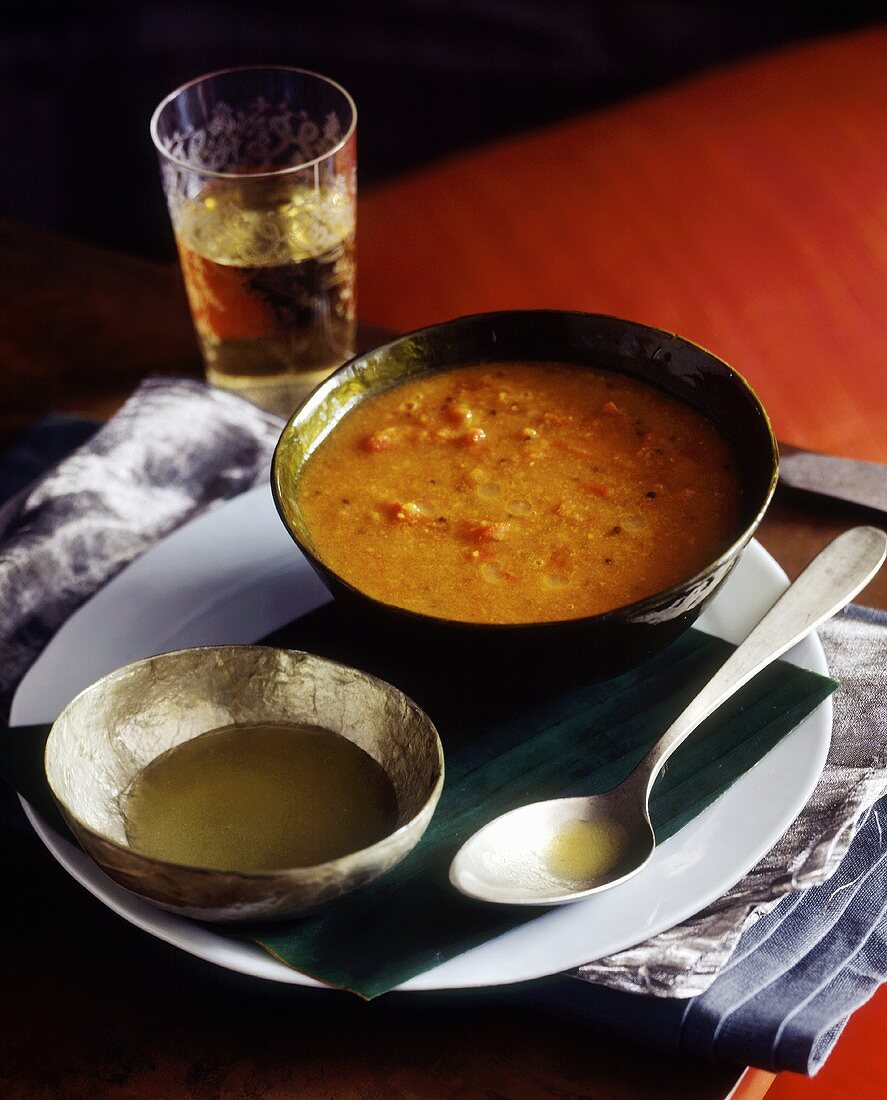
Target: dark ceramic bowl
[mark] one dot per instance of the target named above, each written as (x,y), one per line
(616,639)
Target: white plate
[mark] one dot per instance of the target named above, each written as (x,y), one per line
(233,575)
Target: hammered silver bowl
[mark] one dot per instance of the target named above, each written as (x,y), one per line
(115,728)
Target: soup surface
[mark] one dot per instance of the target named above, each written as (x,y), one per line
(259,798)
(520,492)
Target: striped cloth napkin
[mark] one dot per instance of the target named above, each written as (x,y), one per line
(767,975)
(784,992)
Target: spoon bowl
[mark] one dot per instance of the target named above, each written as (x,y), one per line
(565,849)
(558,851)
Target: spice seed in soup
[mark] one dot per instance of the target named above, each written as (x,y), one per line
(520,492)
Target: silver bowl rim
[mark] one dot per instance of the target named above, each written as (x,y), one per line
(424,812)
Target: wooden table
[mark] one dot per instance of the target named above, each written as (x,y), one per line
(97,1008)
(744,208)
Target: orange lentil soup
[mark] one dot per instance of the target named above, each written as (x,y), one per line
(520,492)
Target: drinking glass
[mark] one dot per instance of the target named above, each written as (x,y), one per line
(259,170)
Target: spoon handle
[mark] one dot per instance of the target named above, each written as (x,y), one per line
(828,583)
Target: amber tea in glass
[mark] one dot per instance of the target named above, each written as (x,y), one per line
(259,171)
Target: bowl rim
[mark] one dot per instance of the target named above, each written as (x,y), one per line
(639,607)
(274,173)
(427,808)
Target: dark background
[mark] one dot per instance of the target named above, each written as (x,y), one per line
(78,81)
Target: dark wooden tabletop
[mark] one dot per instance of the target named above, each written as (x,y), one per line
(96,1008)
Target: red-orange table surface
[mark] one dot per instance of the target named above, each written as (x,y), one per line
(746,209)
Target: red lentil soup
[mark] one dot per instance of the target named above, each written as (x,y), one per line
(519,493)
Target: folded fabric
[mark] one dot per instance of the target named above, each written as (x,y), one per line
(41,446)
(175,448)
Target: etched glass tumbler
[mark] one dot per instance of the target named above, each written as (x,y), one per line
(259,169)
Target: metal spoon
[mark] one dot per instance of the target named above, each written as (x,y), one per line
(510,860)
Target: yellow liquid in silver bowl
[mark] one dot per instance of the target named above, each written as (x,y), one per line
(259,798)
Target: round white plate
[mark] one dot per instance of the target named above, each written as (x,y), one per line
(233,575)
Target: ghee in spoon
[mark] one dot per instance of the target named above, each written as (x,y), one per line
(259,797)
(582,851)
